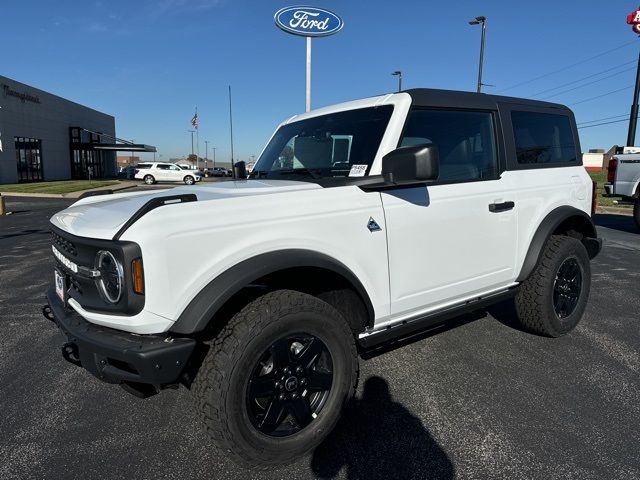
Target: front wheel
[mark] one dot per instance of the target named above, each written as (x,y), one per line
(275,380)
(636,212)
(189,180)
(552,300)
(149,180)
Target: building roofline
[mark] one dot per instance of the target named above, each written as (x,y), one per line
(40,91)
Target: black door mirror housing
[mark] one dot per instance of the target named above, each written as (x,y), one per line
(240,170)
(413,164)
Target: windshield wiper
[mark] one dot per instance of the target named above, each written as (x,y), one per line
(259,173)
(312,173)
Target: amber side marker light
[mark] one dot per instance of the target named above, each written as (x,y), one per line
(137,275)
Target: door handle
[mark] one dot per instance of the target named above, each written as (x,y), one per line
(501,207)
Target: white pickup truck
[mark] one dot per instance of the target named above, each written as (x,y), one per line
(360,223)
(623,179)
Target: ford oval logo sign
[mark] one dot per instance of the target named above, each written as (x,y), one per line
(308,21)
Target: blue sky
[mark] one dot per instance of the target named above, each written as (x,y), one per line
(149,63)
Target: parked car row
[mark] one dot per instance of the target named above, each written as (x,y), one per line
(155,172)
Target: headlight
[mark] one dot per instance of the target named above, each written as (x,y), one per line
(111,280)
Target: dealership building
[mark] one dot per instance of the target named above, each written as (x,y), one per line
(46,137)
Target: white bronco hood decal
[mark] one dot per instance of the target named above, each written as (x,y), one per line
(102,216)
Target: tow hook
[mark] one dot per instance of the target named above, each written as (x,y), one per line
(48,314)
(70,353)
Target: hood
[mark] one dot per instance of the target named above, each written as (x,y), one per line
(102,216)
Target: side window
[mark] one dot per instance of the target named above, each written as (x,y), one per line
(465,141)
(543,138)
(163,167)
(143,166)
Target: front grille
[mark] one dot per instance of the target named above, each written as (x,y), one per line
(64,244)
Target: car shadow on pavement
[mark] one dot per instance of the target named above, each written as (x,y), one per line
(624,223)
(378,438)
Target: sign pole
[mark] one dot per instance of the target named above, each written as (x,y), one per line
(308,82)
(633,117)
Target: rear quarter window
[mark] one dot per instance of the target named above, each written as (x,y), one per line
(543,138)
(142,166)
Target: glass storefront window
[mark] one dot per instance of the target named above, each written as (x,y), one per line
(28,158)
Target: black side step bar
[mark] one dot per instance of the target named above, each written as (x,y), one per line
(415,325)
(152,205)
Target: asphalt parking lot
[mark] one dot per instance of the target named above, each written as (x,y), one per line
(481,400)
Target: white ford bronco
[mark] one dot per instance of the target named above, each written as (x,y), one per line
(360,223)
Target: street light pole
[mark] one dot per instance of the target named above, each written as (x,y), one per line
(480,21)
(398,74)
(206,152)
(214,156)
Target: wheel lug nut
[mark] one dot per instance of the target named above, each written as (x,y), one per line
(294,395)
(299,369)
(303,381)
(281,396)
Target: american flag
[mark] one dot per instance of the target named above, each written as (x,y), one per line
(194,120)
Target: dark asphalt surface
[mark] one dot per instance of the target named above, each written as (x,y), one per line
(482,400)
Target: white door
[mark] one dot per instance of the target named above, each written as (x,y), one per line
(456,238)
(176,174)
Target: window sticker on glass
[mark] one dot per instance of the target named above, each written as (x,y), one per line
(357,170)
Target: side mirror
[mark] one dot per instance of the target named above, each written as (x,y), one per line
(411,164)
(240,170)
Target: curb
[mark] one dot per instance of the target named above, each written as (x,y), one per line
(615,211)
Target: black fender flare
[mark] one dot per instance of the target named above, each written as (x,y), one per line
(197,315)
(551,222)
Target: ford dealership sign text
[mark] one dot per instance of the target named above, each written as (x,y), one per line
(308,21)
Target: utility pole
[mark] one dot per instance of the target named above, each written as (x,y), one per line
(206,152)
(633,117)
(214,156)
(480,21)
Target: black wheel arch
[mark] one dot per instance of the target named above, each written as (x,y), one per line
(564,220)
(202,309)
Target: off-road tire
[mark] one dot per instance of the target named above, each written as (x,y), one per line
(149,179)
(220,386)
(534,299)
(636,212)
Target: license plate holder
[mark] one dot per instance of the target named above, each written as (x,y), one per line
(61,285)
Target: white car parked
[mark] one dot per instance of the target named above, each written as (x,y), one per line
(155,172)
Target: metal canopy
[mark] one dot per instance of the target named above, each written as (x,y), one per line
(125,147)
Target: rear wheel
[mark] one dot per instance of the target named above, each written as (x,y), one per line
(636,212)
(149,180)
(275,380)
(552,300)
(189,180)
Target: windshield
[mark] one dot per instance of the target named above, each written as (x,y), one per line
(335,145)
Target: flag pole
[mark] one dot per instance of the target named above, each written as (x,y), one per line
(233,170)
(197,140)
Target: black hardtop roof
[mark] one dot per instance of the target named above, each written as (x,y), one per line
(431,97)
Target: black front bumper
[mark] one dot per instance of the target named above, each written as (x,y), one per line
(115,356)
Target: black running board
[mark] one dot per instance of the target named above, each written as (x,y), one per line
(415,325)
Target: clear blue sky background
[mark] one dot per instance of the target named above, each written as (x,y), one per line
(149,63)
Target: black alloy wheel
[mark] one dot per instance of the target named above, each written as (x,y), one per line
(290,385)
(567,287)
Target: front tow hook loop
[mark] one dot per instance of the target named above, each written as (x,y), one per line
(70,353)
(48,313)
